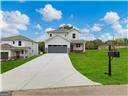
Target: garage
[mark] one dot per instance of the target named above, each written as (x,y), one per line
(4,55)
(57,48)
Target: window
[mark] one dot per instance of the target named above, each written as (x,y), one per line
(77,45)
(73,35)
(13,42)
(19,43)
(50,35)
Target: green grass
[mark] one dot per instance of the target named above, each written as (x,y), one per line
(94,63)
(11,64)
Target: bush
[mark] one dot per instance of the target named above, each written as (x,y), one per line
(91,45)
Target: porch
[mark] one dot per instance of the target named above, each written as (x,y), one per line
(10,52)
(77,46)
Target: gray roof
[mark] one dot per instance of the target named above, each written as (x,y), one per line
(64,28)
(10,47)
(18,37)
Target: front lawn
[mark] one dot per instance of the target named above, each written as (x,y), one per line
(10,64)
(94,63)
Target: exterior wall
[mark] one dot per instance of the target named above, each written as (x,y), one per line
(33,48)
(62,34)
(60,41)
(67,35)
(29,52)
(16,43)
(78,48)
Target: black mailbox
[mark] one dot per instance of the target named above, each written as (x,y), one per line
(114,53)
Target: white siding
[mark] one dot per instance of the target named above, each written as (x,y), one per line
(57,41)
(73,32)
(62,34)
(33,46)
(15,44)
(67,35)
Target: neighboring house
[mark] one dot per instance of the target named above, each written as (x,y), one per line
(65,39)
(17,46)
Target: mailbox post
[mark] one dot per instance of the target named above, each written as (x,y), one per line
(109,63)
(111,54)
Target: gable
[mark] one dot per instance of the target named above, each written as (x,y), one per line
(17,38)
(57,37)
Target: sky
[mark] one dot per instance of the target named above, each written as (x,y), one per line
(95,20)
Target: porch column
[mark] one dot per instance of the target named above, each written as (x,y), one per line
(84,47)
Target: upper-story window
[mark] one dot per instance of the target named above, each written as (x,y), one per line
(13,42)
(73,35)
(19,43)
(50,35)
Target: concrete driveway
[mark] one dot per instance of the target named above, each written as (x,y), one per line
(46,71)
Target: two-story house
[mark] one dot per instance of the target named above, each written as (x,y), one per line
(18,46)
(65,39)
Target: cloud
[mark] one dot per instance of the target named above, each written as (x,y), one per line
(85,31)
(125,21)
(49,13)
(21,1)
(36,33)
(112,18)
(86,34)
(13,22)
(38,26)
(49,29)
(106,36)
(96,28)
(42,37)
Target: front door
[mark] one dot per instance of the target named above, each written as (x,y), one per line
(17,54)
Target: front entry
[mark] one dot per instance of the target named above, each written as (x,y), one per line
(57,48)
(17,54)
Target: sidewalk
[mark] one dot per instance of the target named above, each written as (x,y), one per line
(90,90)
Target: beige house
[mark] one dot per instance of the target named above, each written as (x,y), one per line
(64,39)
(17,46)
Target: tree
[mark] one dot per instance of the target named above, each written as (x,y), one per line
(41,46)
(121,41)
(90,45)
(98,42)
